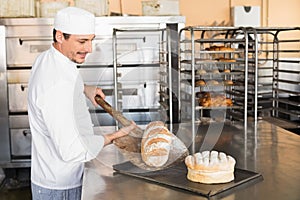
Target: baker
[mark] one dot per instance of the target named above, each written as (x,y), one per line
(60,123)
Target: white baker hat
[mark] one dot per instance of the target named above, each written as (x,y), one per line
(74,20)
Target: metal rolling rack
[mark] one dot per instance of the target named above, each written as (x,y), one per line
(277,75)
(160,71)
(195,55)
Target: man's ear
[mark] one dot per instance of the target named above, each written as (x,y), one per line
(59,36)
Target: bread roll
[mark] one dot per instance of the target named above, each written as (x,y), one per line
(228,82)
(200,72)
(223,48)
(215,71)
(200,83)
(210,99)
(213,48)
(229,102)
(156,144)
(212,82)
(226,60)
(205,99)
(226,71)
(219,48)
(210,167)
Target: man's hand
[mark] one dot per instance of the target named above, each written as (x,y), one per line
(127,129)
(120,133)
(91,91)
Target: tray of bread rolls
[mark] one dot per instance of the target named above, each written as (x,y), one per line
(198,174)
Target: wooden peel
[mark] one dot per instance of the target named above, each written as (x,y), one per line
(130,145)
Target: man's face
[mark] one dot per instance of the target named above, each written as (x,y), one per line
(76,47)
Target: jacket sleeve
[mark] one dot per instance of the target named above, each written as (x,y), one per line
(69,123)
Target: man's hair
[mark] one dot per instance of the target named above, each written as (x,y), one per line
(66,35)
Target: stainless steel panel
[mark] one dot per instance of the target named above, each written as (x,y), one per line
(132,50)
(146,95)
(18,121)
(138,86)
(142,117)
(4,127)
(20,142)
(104,75)
(18,76)
(27,27)
(102,119)
(17,90)
(23,51)
(142,73)
(17,97)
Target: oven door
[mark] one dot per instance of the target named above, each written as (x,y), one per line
(20,136)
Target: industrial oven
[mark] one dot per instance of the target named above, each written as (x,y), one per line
(126,67)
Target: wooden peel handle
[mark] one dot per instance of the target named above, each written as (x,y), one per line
(115,114)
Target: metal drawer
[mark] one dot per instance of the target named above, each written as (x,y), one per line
(104,75)
(18,121)
(17,97)
(131,50)
(23,51)
(20,140)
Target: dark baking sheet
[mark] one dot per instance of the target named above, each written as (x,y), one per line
(176,177)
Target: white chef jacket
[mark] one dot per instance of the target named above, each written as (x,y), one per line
(60,123)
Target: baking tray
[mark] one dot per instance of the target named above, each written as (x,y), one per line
(175,177)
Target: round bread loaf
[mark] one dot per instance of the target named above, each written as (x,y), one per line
(228,82)
(210,167)
(156,144)
(215,71)
(223,48)
(226,71)
(229,102)
(200,72)
(219,48)
(212,82)
(200,83)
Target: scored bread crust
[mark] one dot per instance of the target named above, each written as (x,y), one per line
(210,167)
(156,144)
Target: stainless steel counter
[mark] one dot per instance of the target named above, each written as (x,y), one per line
(266,149)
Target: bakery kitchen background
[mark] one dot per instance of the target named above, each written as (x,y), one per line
(202,69)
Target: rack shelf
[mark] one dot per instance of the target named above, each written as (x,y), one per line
(280,58)
(213,75)
(160,79)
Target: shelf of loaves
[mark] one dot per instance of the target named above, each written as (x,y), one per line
(213,104)
(214,107)
(214,49)
(211,72)
(220,60)
(213,40)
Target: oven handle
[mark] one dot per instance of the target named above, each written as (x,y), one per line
(24,86)
(21,41)
(26,132)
